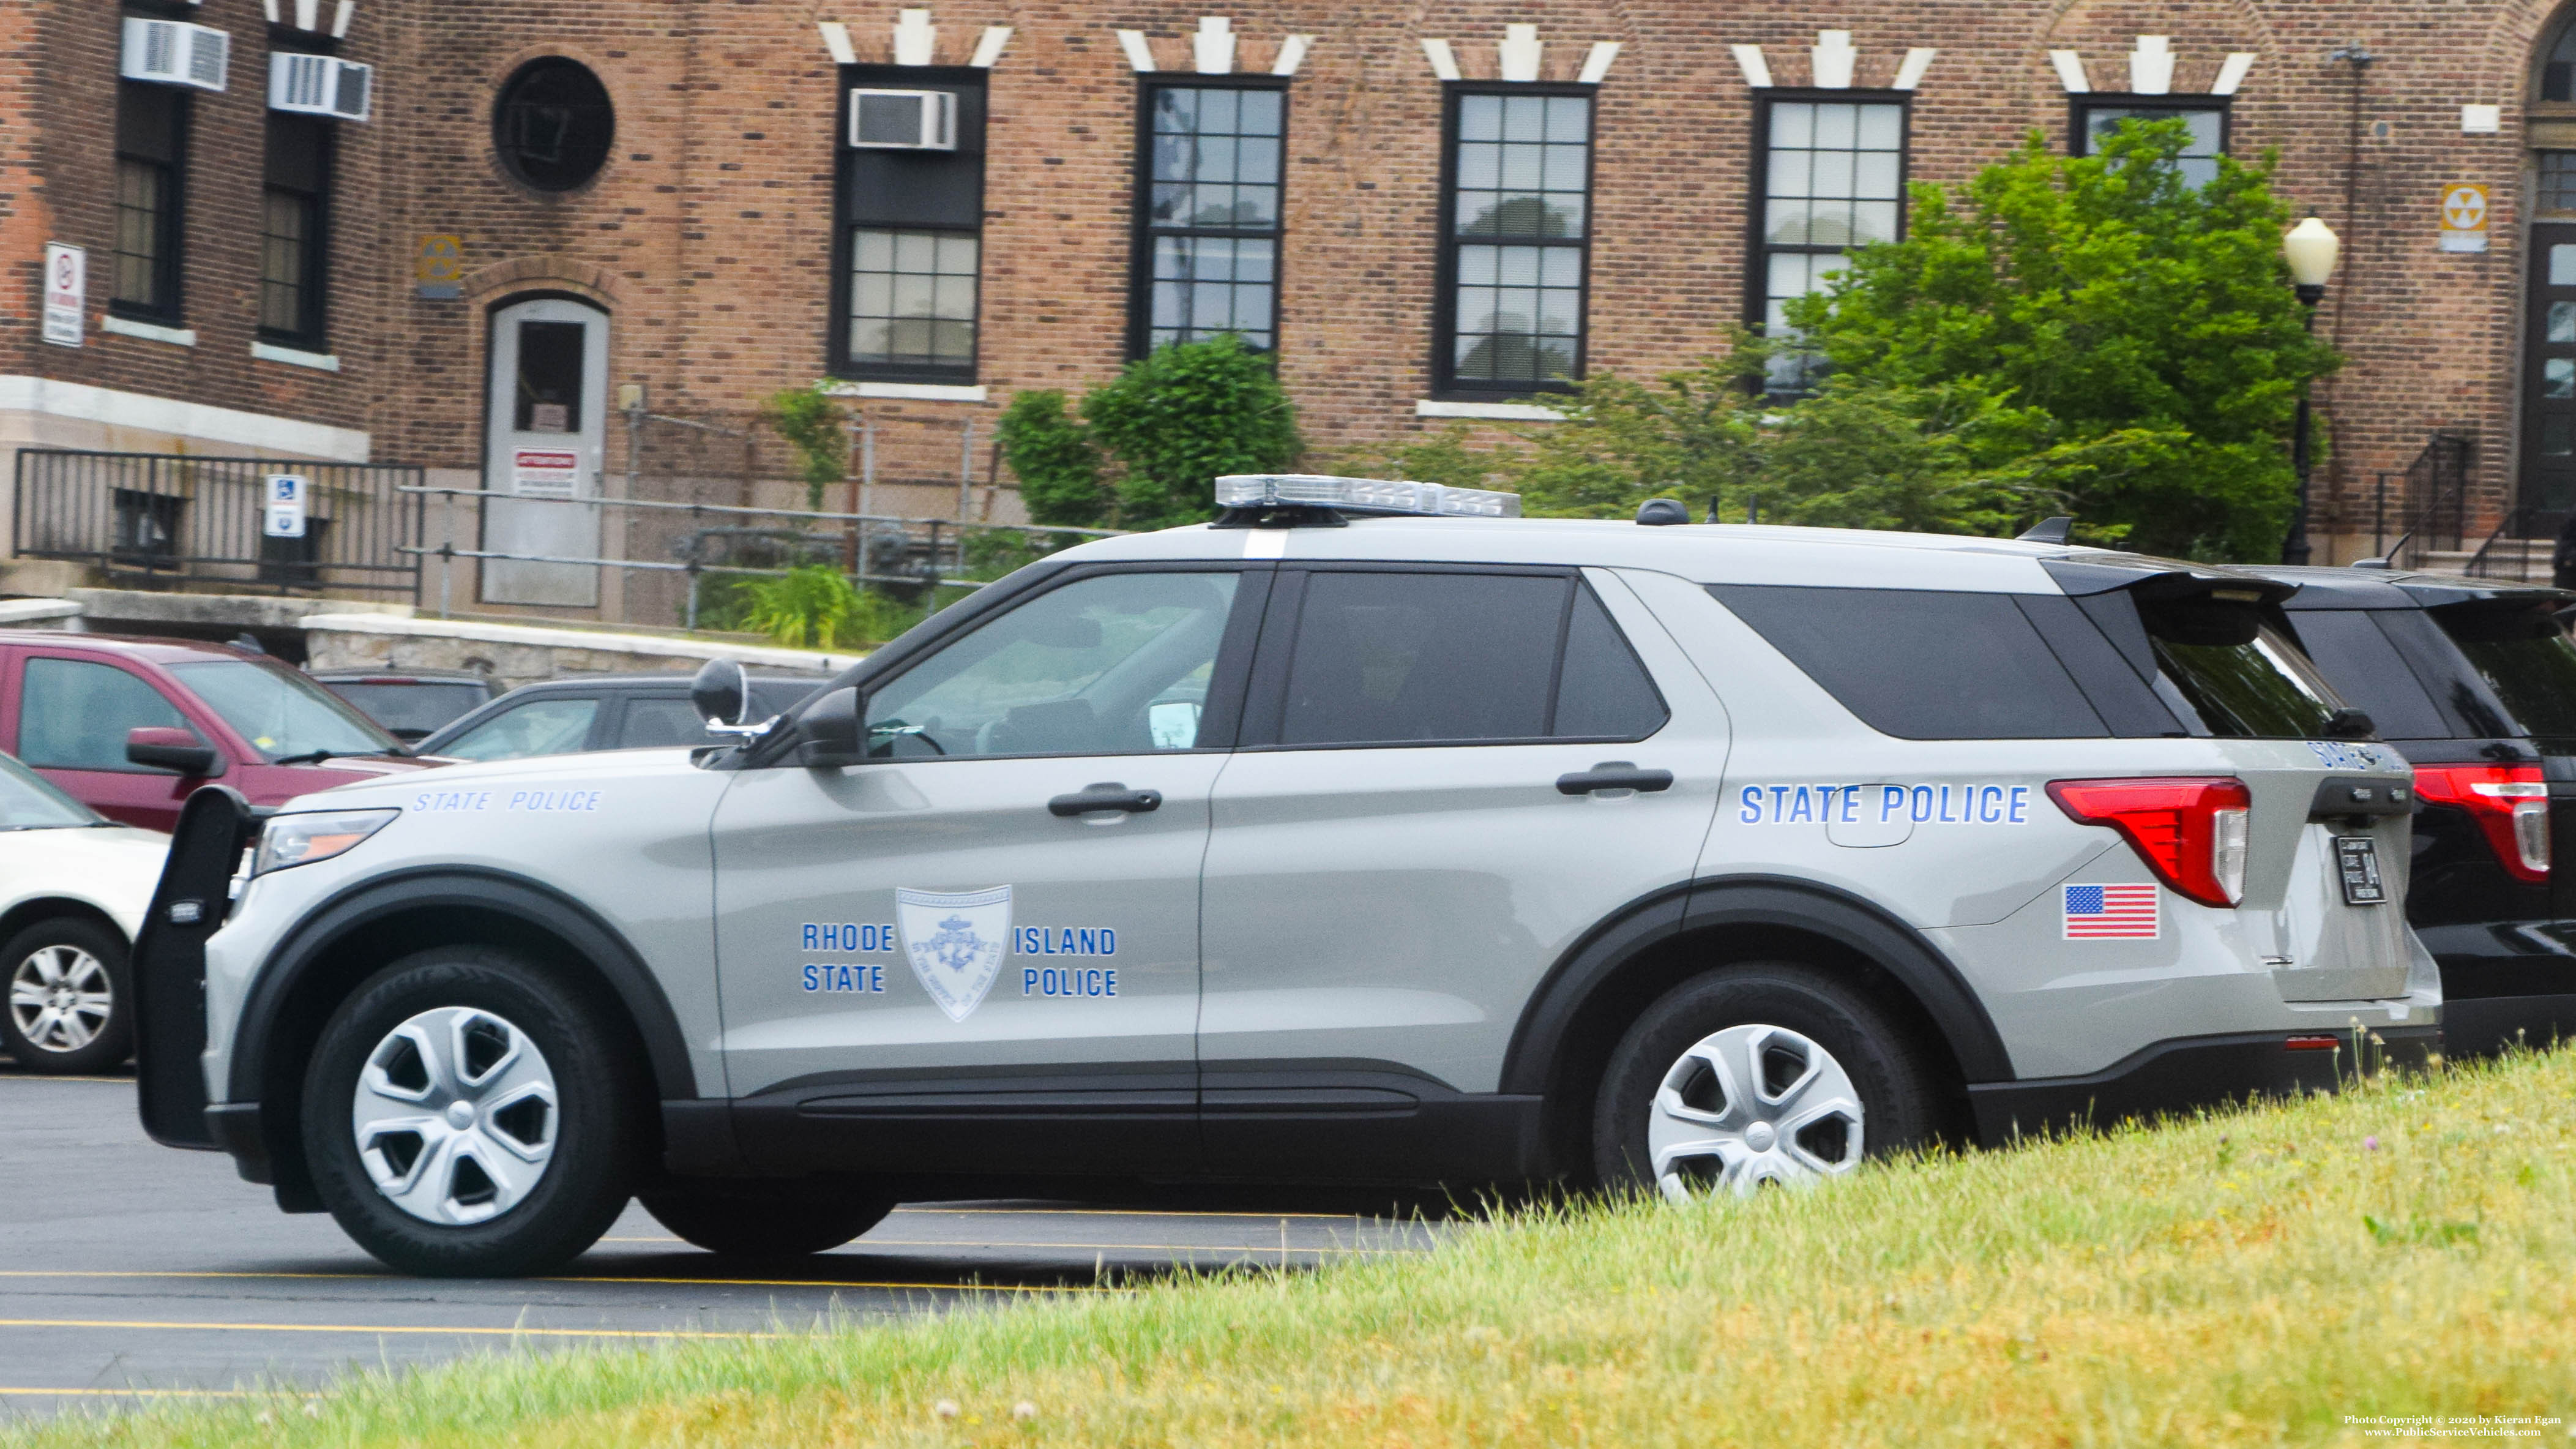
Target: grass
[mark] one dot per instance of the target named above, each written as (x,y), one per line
(2248,1277)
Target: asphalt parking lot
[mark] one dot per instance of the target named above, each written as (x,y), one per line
(130,1271)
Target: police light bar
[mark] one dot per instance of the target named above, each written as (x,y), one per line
(1363,495)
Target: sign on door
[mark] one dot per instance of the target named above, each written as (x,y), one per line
(545,473)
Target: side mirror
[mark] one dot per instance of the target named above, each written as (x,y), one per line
(166,747)
(721,693)
(827,734)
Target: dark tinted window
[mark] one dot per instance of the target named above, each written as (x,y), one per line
(1920,664)
(2362,666)
(2524,657)
(2226,671)
(414,709)
(1603,692)
(656,724)
(1391,658)
(554,124)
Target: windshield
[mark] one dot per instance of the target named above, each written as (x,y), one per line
(2227,669)
(2525,658)
(282,714)
(28,802)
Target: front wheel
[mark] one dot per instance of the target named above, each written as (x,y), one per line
(765,1219)
(1760,1074)
(67,1011)
(466,1114)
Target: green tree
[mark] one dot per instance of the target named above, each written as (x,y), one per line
(2140,330)
(815,426)
(1148,446)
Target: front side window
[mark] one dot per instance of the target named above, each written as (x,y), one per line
(151,151)
(1833,178)
(1453,658)
(909,247)
(2095,124)
(74,715)
(1516,241)
(282,713)
(1208,237)
(2525,658)
(293,264)
(1116,665)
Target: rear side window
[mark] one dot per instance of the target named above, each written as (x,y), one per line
(2357,659)
(1386,658)
(1922,664)
(2228,671)
(655,724)
(539,727)
(2524,657)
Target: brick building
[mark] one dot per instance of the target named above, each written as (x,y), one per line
(1426,209)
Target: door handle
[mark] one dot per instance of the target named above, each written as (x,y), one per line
(1614,775)
(1108,795)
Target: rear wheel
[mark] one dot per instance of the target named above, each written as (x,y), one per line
(468,1115)
(67,1010)
(765,1219)
(1761,1074)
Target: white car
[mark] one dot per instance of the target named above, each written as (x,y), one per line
(73,888)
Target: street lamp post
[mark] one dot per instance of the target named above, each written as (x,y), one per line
(2311,249)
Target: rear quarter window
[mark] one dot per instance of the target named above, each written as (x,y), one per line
(1922,664)
(2357,659)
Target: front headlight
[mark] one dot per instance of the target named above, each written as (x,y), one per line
(303,839)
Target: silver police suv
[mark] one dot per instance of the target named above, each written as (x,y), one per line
(1371,833)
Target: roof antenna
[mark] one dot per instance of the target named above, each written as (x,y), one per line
(2386,560)
(2057,529)
(1660,512)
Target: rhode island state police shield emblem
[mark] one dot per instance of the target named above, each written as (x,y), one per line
(956,941)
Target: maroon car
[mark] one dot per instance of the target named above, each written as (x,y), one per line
(129,726)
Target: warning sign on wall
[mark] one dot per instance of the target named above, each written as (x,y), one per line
(544,473)
(2464,217)
(66,293)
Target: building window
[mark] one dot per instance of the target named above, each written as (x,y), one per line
(2558,181)
(1208,233)
(1832,178)
(2558,72)
(2095,124)
(294,262)
(151,155)
(909,247)
(1515,238)
(553,124)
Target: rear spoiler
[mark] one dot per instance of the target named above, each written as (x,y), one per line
(190,903)
(2160,579)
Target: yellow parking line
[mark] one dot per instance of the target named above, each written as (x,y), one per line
(160,1393)
(41,1077)
(1017,1243)
(574,1278)
(375,1328)
(1134,1213)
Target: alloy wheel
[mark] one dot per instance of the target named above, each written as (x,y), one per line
(60,998)
(1751,1105)
(456,1115)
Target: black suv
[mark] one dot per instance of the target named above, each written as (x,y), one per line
(2474,681)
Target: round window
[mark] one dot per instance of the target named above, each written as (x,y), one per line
(553,124)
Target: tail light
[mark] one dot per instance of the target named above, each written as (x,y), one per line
(2508,802)
(2191,831)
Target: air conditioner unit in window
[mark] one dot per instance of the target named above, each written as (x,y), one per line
(319,85)
(903,120)
(175,52)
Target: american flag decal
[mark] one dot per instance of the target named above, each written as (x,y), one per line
(2110,912)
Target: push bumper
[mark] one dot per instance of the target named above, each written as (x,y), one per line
(2207,1071)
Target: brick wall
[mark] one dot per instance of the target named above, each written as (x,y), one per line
(708,233)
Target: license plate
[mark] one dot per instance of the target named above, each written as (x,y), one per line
(2357,860)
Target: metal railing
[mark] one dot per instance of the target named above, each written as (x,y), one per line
(154,517)
(2520,549)
(934,547)
(2432,514)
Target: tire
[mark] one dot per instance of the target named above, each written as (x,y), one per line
(69,1007)
(537,1164)
(765,1219)
(1783,1074)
